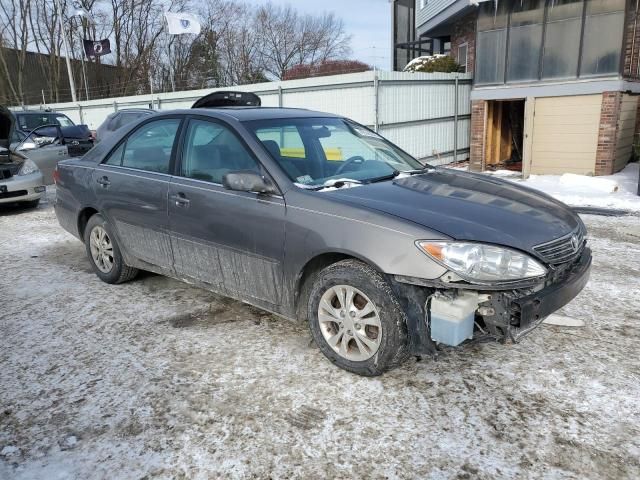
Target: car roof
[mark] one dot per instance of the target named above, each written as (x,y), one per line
(36,112)
(135,110)
(244,114)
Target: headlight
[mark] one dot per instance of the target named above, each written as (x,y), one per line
(483,263)
(28,167)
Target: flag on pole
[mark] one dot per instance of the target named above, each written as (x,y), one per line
(96,48)
(182,23)
(76,9)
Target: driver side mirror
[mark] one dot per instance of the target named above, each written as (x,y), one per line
(247,181)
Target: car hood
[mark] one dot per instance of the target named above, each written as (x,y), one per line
(7,125)
(468,206)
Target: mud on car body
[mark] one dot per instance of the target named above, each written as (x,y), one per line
(315,217)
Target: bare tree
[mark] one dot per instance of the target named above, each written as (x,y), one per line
(288,39)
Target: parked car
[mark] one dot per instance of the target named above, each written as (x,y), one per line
(119,119)
(77,138)
(44,145)
(20,179)
(383,256)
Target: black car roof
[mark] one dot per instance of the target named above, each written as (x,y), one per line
(243,114)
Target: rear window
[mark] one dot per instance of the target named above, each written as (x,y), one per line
(35,120)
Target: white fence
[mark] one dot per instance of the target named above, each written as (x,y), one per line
(427,114)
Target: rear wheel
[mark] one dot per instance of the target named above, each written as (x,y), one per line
(356,320)
(104,253)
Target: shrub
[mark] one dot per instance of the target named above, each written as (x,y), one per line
(433,63)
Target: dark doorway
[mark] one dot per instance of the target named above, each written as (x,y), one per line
(504,135)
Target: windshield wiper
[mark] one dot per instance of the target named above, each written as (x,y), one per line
(389,176)
(336,183)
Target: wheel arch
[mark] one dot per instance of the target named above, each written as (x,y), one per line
(83,218)
(314,265)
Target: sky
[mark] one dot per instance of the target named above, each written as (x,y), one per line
(367,21)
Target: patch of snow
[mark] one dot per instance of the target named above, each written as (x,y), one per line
(9,451)
(617,191)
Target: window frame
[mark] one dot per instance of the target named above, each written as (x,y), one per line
(125,139)
(177,167)
(539,77)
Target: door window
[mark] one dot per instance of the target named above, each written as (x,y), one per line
(148,148)
(212,150)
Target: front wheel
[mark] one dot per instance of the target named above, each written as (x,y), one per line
(104,252)
(356,320)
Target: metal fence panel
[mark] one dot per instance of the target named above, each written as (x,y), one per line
(415,110)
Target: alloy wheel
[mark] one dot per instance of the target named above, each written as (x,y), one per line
(101,249)
(350,323)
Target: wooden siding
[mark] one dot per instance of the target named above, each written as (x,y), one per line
(626,130)
(565,134)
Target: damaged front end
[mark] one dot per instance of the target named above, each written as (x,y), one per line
(452,311)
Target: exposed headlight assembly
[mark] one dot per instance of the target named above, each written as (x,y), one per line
(28,167)
(482,263)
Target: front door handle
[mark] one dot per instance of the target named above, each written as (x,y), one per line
(180,199)
(104,182)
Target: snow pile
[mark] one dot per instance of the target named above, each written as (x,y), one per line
(416,64)
(617,191)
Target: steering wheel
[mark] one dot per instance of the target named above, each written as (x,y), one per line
(349,161)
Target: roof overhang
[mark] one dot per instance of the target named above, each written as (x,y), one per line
(441,24)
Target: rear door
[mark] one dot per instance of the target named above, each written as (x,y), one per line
(231,240)
(131,187)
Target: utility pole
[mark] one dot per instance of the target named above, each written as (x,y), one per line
(72,84)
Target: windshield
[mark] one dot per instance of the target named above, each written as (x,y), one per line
(317,151)
(30,121)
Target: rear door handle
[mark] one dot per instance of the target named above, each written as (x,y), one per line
(104,181)
(180,200)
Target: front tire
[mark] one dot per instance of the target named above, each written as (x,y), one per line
(104,252)
(356,320)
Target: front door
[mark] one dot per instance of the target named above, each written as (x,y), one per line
(231,240)
(131,187)
(45,150)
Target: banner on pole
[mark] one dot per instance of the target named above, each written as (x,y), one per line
(76,9)
(96,48)
(182,22)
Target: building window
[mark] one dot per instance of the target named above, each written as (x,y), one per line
(525,40)
(601,45)
(529,40)
(492,42)
(462,57)
(562,39)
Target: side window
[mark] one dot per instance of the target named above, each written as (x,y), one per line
(149,147)
(283,140)
(211,150)
(115,158)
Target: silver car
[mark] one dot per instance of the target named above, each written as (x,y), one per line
(20,179)
(45,145)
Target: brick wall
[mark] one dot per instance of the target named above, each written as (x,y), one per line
(606,151)
(631,44)
(478,120)
(464,31)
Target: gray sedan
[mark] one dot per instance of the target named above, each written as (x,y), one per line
(317,218)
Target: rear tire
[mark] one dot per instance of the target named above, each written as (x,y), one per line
(104,252)
(356,320)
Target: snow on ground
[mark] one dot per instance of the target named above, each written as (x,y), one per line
(157,379)
(618,191)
